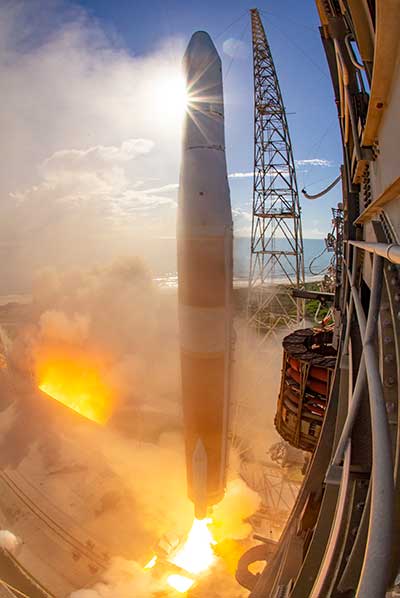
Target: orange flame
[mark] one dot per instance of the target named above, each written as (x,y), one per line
(76,380)
(152,562)
(180,583)
(195,557)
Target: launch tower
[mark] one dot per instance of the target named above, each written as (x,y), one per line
(277,263)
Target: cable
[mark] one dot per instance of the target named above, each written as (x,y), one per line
(267,13)
(316,258)
(315,147)
(324,191)
(231,25)
(234,52)
(290,40)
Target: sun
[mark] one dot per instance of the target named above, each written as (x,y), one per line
(171,95)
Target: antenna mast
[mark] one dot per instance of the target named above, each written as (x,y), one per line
(277,261)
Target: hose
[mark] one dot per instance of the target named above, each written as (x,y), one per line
(324,191)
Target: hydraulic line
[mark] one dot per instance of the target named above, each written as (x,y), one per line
(324,191)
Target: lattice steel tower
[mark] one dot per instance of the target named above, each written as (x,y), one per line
(277,262)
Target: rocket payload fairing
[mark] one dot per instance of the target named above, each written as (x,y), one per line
(205,273)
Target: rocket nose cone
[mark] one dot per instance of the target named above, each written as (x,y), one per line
(200,40)
(200,54)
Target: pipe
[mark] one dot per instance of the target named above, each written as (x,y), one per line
(391,251)
(324,191)
(347,99)
(359,386)
(325,572)
(352,56)
(375,572)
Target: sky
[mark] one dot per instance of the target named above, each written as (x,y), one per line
(91,115)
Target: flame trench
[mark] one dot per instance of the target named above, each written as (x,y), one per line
(77,382)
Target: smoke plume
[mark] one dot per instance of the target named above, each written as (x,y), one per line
(83,134)
(9,541)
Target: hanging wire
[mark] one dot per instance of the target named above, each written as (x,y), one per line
(267,13)
(290,40)
(235,51)
(317,66)
(244,13)
(324,269)
(315,147)
(320,181)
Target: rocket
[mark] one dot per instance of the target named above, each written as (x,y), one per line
(205,270)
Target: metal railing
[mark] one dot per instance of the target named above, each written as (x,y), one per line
(375,571)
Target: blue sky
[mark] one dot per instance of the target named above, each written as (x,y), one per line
(292,31)
(91,121)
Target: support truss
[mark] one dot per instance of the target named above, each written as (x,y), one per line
(277,262)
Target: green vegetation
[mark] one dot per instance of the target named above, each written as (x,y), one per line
(311,305)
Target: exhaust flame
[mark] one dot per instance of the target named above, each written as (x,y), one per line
(152,562)
(196,555)
(180,583)
(76,382)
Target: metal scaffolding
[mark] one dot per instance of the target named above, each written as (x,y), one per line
(277,262)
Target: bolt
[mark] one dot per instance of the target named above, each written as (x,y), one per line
(389,358)
(387,340)
(386,322)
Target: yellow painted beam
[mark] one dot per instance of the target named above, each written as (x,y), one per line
(385,58)
(376,206)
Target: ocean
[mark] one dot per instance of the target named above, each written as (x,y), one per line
(161,258)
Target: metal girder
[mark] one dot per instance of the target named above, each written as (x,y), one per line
(276,240)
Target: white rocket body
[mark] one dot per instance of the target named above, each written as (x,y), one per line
(205,274)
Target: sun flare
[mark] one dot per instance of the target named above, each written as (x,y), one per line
(172,97)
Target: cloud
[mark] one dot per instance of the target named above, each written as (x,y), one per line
(164,189)
(79,158)
(235,48)
(242,222)
(314,162)
(240,175)
(97,180)
(311,162)
(314,233)
(249,175)
(98,156)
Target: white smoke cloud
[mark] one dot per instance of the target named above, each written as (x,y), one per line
(124,579)
(235,48)
(79,118)
(9,541)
